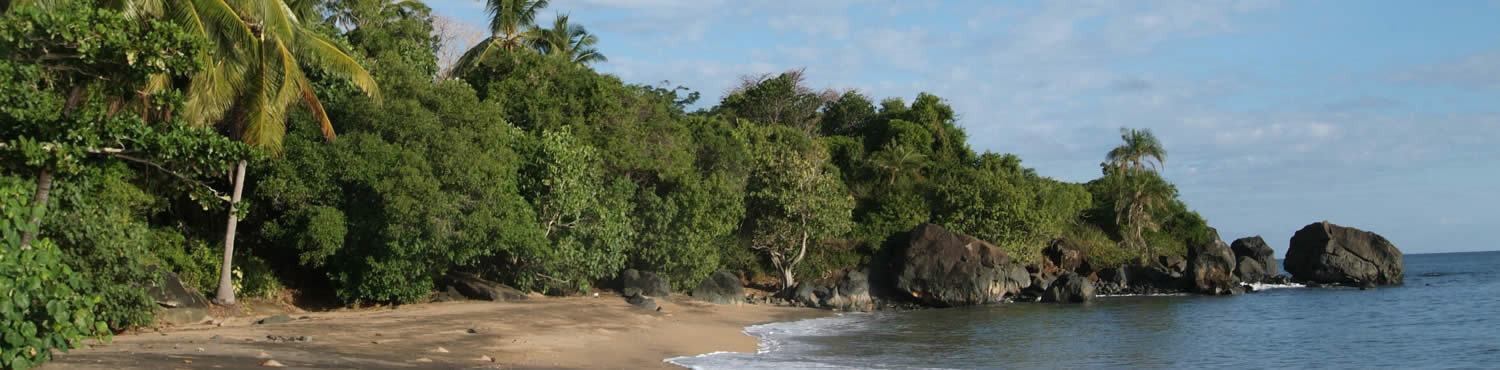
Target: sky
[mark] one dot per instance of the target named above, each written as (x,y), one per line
(1381,115)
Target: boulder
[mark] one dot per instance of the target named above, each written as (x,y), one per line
(803,294)
(474,287)
(642,302)
(179,305)
(1063,256)
(945,269)
(1176,266)
(852,293)
(722,287)
(1070,288)
(1211,268)
(1326,253)
(647,282)
(1249,270)
(1256,249)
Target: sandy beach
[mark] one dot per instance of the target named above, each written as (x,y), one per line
(573,332)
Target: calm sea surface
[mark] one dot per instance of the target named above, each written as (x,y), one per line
(1446,316)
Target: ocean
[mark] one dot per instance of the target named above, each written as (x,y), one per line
(1446,316)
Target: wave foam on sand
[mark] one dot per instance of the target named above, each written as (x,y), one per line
(776,348)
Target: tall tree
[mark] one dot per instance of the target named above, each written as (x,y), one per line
(254,76)
(1141,149)
(795,200)
(1139,193)
(568,41)
(510,28)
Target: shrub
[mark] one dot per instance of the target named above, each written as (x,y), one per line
(42,301)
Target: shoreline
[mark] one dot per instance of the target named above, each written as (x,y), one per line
(569,332)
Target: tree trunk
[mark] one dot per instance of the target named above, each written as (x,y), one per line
(38,203)
(786,278)
(226,282)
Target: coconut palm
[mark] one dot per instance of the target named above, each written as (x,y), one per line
(1139,192)
(252,78)
(510,28)
(1139,150)
(896,160)
(567,41)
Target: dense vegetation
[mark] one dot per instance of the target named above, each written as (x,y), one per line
(133,125)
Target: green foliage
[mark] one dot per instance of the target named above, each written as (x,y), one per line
(1008,205)
(584,215)
(796,201)
(43,303)
(780,100)
(99,223)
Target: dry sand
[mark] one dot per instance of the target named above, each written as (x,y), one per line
(574,332)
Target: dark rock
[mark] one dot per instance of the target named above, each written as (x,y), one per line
(1256,249)
(640,301)
(803,295)
(1331,254)
(1278,279)
(649,283)
(722,287)
(1116,275)
(274,320)
(476,288)
(1070,288)
(853,292)
(1248,269)
(1174,265)
(180,305)
(449,294)
(1063,256)
(1211,268)
(943,268)
(1366,285)
(1154,278)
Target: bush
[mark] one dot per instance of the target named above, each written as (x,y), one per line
(43,305)
(99,224)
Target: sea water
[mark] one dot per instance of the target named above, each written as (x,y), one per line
(1446,316)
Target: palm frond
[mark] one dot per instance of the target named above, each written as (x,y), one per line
(321,52)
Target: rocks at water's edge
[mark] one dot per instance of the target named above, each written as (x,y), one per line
(474,287)
(1064,256)
(1069,288)
(179,305)
(1211,268)
(1255,261)
(646,282)
(943,268)
(722,287)
(1326,253)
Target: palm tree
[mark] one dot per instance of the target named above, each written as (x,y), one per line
(899,159)
(568,41)
(509,23)
(1140,148)
(1139,192)
(253,76)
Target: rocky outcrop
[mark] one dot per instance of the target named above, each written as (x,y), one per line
(645,282)
(1063,256)
(1070,288)
(1255,261)
(722,287)
(179,305)
(853,292)
(1211,268)
(1326,253)
(474,287)
(945,269)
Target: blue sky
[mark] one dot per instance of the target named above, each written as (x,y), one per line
(1383,115)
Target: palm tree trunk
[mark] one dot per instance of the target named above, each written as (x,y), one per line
(226,284)
(38,202)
